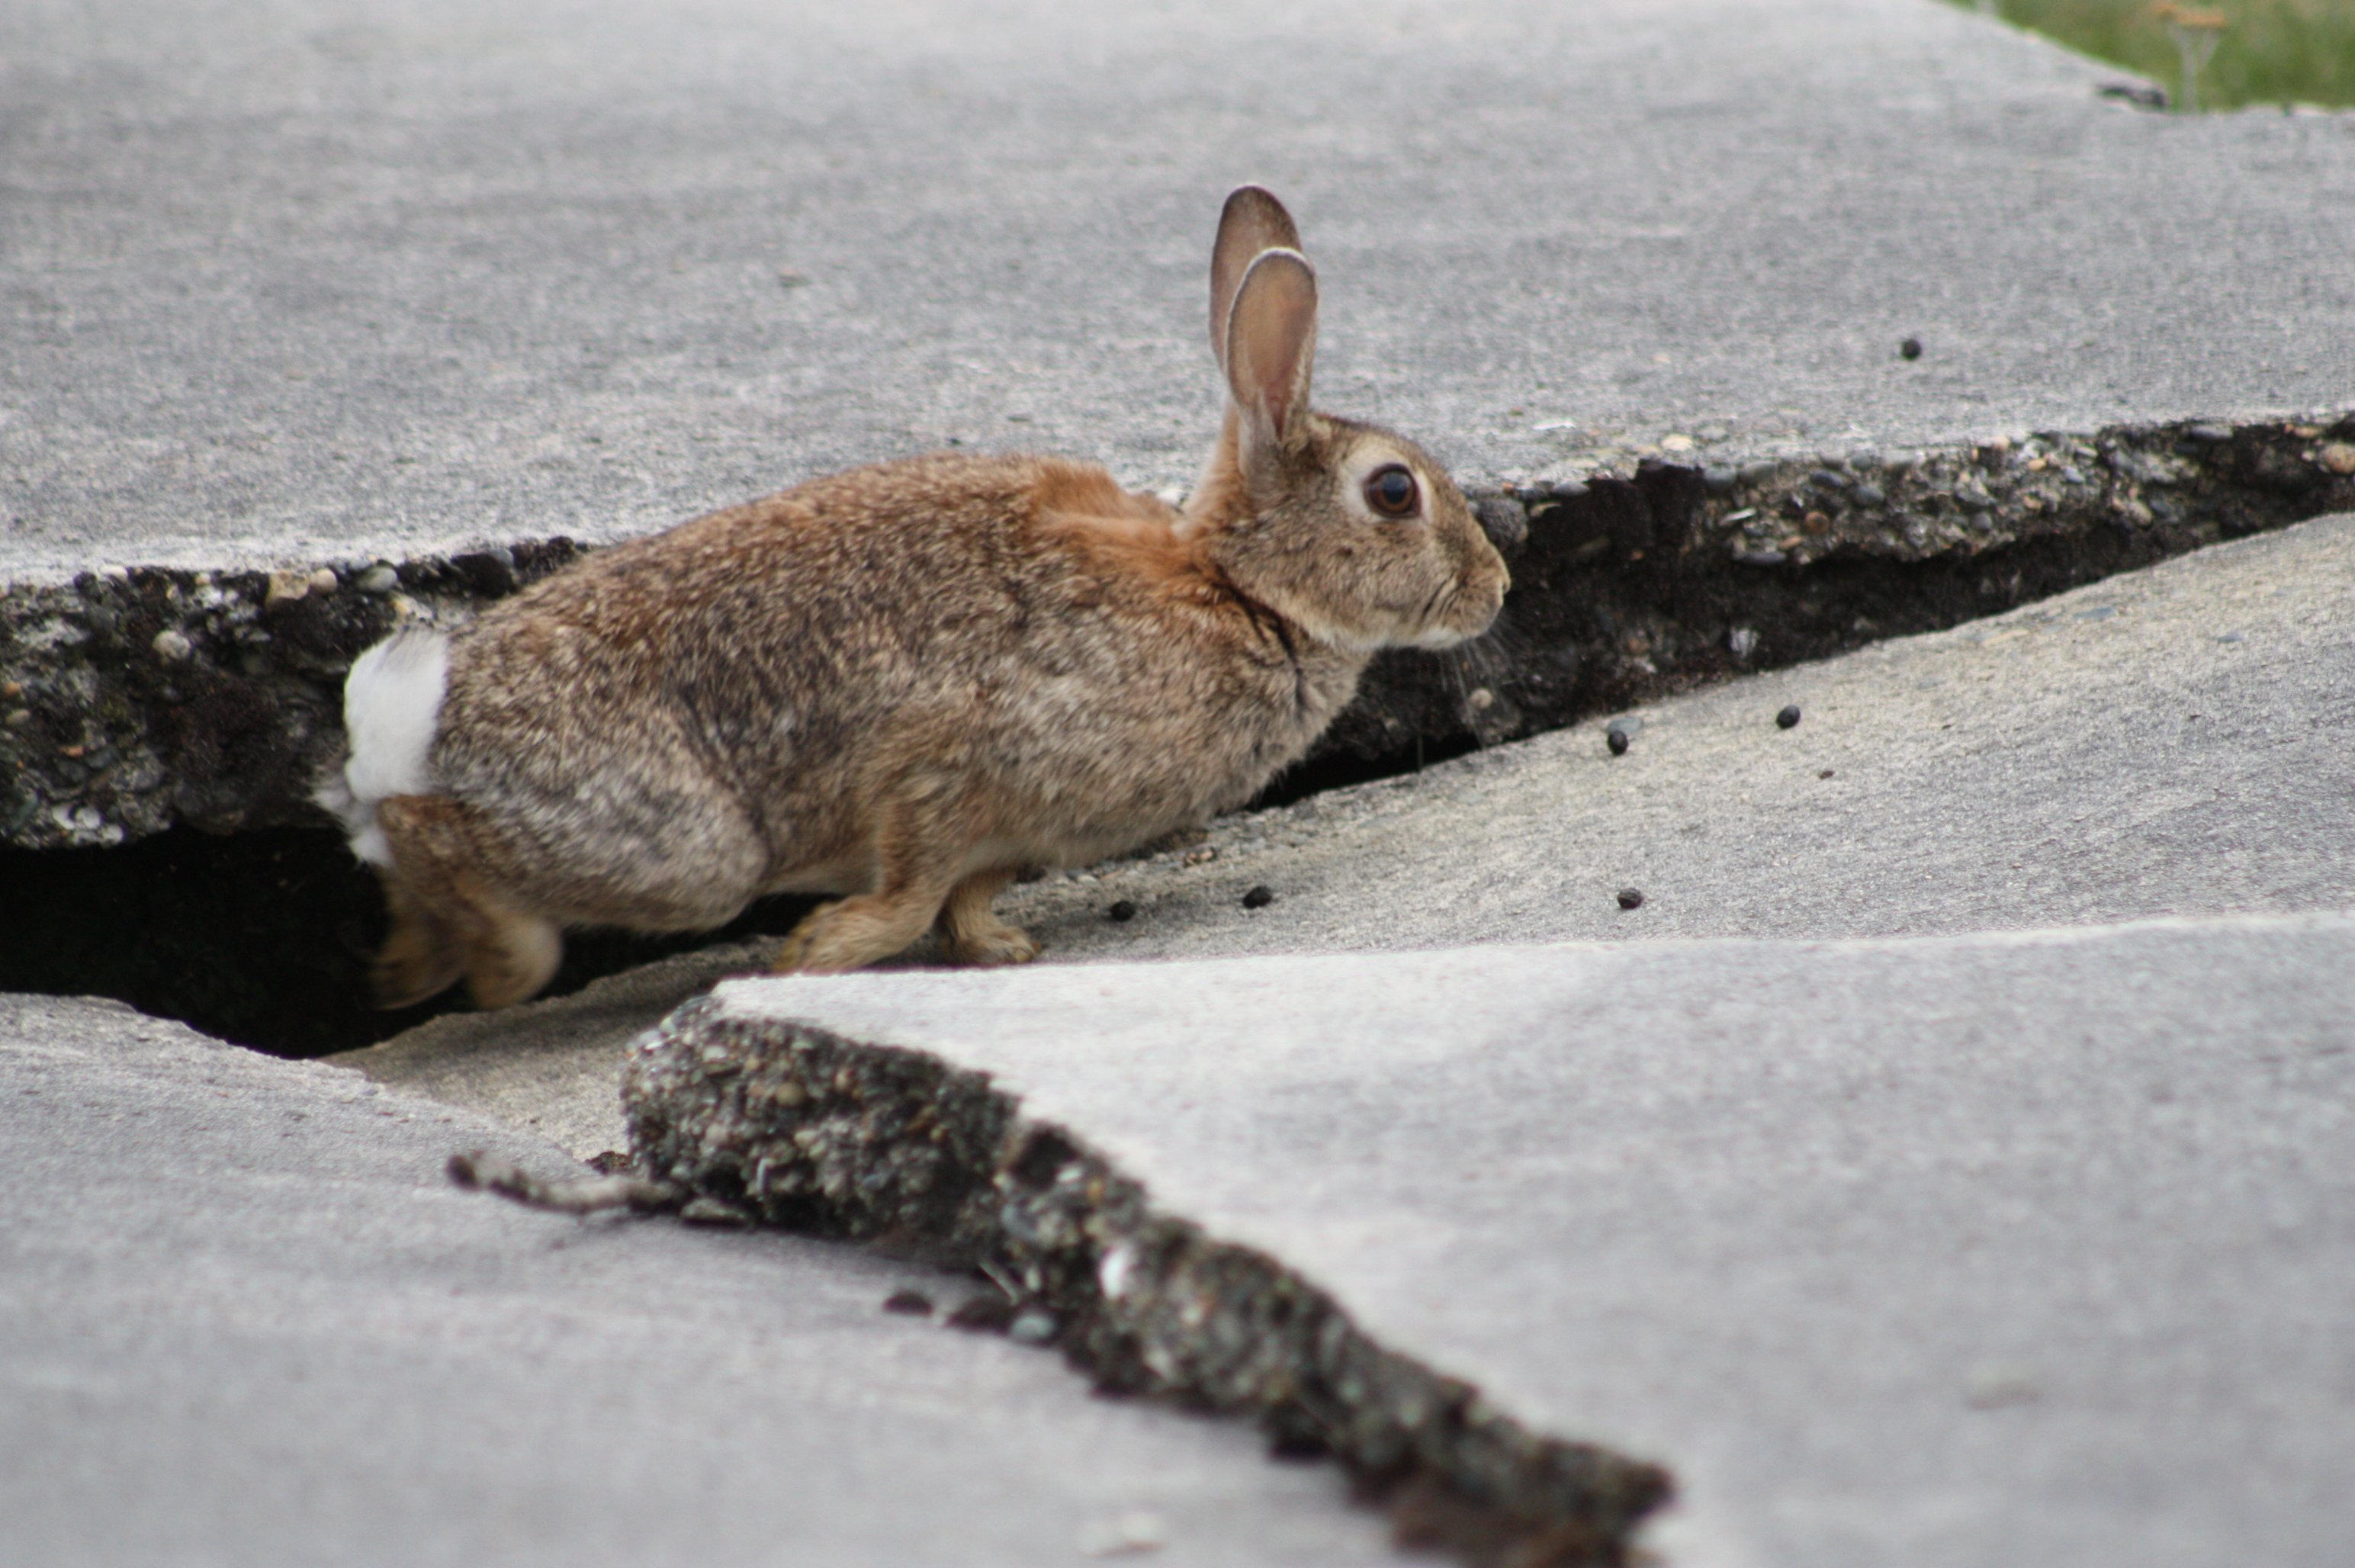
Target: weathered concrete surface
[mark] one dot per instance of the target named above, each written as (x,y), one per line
(331,288)
(332,280)
(2172,742)
(243,1317)
(2020,1248)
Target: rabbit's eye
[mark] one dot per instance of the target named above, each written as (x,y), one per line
(1391,491)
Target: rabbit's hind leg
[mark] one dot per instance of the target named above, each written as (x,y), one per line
(422,956)
(438,849)
(972,935)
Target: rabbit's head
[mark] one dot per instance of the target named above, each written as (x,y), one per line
(1349,531)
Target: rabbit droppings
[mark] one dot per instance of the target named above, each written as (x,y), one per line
(904,684)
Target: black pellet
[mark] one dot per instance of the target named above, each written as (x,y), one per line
(1910,350)
(1122,911)
(1630,898)
(912,1303)
(1259,897)
(1788,717)
(1617,740)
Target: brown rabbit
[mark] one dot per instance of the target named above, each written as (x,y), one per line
(905,683)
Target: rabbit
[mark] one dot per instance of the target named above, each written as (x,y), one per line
(904,684)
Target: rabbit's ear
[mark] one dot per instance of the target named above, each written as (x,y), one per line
(1271,341)
(1252,222)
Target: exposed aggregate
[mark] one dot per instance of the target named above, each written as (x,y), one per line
(802,1129)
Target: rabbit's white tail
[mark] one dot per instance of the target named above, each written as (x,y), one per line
(392,706)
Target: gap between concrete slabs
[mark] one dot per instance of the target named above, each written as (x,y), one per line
(2022,1247)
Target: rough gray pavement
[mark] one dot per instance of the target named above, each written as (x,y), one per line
(2170,741)
(328,281)
(2017,1248)
(243,1317)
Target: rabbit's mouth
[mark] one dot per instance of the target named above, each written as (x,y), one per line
(1446,623)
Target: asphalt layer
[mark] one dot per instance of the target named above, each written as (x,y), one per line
(244,1318)
(2019,1248)
(331,281)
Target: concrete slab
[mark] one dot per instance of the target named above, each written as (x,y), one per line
(2027,1247)
(243,1317)
(331,281)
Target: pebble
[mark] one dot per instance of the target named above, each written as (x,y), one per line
(1717,478)
(1760,472)
(19,719)
(1910,350)
(1867,496)
(1122,911)
(2209,432)
(323,580)
(285,586)
(1259,897)
(1827,479)
(1742,641)
(377,581)
(2338,457)
(1631,898)
(1993,1388)
(1033,1326)
(1132,1534)
(1787,718)
(909,1303)
(1760,557)
(172,647)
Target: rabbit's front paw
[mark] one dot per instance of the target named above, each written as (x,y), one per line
(995,944)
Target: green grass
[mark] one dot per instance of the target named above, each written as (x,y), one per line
(2273,51)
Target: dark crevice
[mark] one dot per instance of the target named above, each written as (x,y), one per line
(259,938)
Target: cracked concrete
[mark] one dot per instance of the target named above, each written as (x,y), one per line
(330,314)
(1967,1250)
(426,308)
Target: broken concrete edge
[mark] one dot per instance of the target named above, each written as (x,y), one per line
(796,1126)
(134,699)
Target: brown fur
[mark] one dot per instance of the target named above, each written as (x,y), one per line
(905,682)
